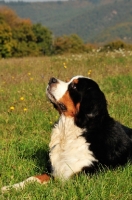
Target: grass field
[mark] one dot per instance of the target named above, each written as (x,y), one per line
(26,119)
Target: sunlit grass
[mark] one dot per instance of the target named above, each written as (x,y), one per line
(26,119)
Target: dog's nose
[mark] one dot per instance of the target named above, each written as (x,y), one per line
(52,80)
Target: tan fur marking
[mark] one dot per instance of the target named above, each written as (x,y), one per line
(67,101)
(75,81)
(77,107)
(43,178)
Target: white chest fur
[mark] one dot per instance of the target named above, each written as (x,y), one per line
(69,151)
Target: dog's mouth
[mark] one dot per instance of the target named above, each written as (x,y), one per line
(50,95)
(52,98)
(58,106)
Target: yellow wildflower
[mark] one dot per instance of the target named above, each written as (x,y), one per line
(25,109)
(64,64)
(29,74)
(21,98)
(89,72)
(31,79)
(12,108)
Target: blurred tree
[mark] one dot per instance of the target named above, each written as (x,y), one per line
(24,39)
(9,16)
(69,44)
(44,39)
(5,40)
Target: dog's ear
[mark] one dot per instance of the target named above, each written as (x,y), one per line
(93,105)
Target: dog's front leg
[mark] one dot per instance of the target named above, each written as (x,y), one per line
(42,179)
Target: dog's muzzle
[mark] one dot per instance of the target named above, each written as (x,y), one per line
(51,84)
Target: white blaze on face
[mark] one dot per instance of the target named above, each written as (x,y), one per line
(58,90)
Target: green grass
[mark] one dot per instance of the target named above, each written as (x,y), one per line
(24,135)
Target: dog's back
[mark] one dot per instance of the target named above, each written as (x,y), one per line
(128,131)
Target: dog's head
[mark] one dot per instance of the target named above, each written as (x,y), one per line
(80,98)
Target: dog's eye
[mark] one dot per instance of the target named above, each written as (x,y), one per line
(73,86)
(62,106)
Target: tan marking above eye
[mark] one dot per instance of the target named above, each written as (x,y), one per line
(71,108)
(75,81)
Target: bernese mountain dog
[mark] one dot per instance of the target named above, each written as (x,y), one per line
(85,135)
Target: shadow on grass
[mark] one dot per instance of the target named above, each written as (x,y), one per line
(41,157)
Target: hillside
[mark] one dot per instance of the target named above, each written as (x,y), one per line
(93,20)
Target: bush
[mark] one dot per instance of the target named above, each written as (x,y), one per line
(68,44)
(115,45)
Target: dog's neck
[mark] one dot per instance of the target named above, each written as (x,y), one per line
(67,126)
(63,131)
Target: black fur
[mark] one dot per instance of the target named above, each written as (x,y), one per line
(111,142)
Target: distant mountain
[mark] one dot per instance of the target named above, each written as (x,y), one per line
(93,20)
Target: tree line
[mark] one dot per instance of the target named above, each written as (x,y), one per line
(19,38)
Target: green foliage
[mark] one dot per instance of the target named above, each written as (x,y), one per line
(68,44)
(23,38)
(18,37)
(116,45)
(44,39)
(5,40)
